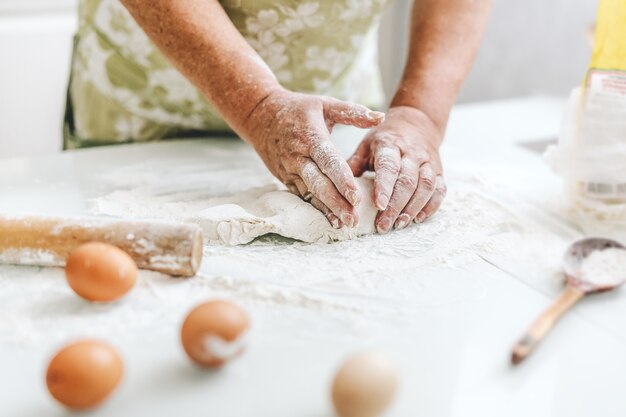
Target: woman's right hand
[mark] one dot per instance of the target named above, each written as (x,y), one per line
(291,132)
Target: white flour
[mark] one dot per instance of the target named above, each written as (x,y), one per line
(30,257)
(598,218)
(604,267)
(361,284)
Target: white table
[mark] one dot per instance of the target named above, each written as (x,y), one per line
(451,337)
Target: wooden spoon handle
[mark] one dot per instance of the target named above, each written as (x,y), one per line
(542,325)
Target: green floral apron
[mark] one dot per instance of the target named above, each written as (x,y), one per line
(122,89)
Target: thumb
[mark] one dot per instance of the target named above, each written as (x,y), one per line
(337,111)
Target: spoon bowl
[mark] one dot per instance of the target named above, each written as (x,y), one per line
(573,260)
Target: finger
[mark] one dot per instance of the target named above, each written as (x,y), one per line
(297,187)
(423,193)
(358,162)
(293,190)
(324,190)
(330,216)
(330,162)
(404,188)
(387,164)
(337,111)
(435,201)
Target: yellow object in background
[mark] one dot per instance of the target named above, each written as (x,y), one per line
(607,70)
(591,151)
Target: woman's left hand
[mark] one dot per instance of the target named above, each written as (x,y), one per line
(403,151)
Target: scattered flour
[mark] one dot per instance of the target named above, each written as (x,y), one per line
(598,218)
(30,257)
(216,347)
(604,268)
(351,285)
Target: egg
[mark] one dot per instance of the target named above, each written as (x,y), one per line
(214,332)
(364,385)
(100,272)
(84,373)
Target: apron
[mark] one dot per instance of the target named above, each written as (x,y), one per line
(122,89)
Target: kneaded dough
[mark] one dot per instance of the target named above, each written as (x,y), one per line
(282,213)
(239,218)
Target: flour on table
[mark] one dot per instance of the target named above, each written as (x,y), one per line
(353,286)
(242,217)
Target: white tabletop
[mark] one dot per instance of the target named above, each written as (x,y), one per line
(449,326)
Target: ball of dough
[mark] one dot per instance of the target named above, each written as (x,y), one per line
(83,374)
(364,385)
(214,332)
(100,272)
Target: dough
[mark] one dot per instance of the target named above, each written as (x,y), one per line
(240,218)
(282,213)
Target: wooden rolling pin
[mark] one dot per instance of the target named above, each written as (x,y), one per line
(171,248)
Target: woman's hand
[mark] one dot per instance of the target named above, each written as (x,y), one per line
(291,133)
(404,153)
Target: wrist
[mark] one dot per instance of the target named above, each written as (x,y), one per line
(427,96)
(261,115)
(419,120)
(438,117)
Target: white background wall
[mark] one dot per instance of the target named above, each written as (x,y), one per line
(531,47)
(35,46)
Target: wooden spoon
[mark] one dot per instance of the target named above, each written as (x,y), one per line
(575,289)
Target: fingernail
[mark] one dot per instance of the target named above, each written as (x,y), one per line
(402,221)
(354,197)
(347,219)
(383,226)
(420,217)
(382,201)
(376,115)
(334,221)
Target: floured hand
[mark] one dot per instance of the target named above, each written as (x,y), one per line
(291,133)
(404,153)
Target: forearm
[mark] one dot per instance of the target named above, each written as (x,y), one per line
(444,38)
(202,43)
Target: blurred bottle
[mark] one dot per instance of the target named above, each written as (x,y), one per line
(591,154)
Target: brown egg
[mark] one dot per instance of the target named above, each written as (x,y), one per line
(214,332)
(84,373)
(364,385)
(100,272)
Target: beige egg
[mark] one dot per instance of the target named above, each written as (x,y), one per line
(100,272)
(84,373)
(215,332)
(364,385)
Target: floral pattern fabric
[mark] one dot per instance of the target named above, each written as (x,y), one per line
(123,89)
